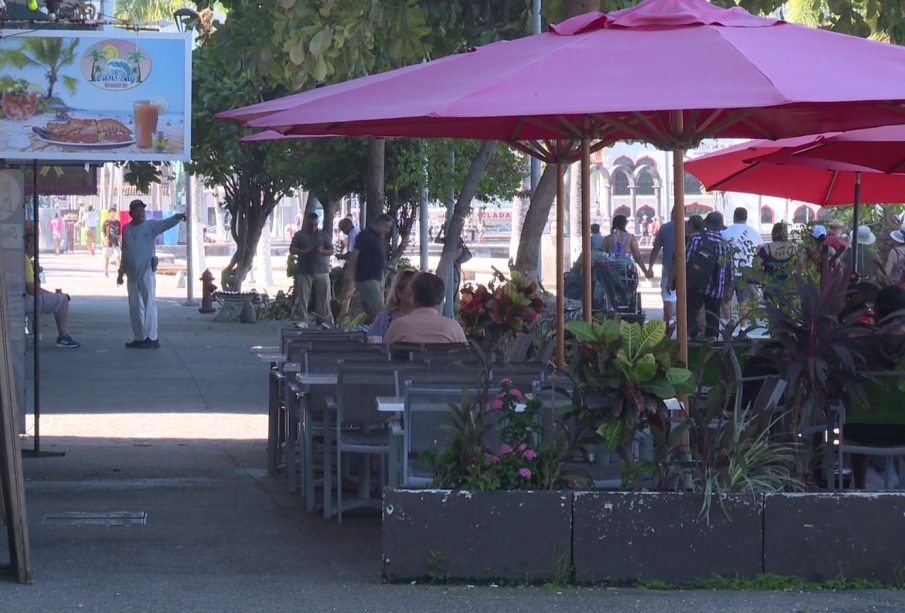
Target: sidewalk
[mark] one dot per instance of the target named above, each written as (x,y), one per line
(179,434)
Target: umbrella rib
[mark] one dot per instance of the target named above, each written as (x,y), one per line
(537,151)
(718,185)
(545,125)
(570,126)
(829,189)
(705,125)
(624,125)
(759,129)
(658,130)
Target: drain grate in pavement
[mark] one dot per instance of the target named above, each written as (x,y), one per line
(88,518)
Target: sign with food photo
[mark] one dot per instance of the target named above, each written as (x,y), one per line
(95,96)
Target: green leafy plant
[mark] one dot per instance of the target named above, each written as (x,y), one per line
(625,371)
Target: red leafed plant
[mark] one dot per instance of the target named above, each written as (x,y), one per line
(491,313)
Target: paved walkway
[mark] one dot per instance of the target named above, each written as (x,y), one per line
(179,434)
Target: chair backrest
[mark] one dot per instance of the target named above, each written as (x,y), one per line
(313,361)
(428,413)
(311,334)
(770,394)
(521,345)
(357,390)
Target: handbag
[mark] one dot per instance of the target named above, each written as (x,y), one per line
(292,265)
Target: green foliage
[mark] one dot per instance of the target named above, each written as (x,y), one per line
(141,175)
(864,18)
(625,371)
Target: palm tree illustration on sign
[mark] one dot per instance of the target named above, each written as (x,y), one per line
(96,55)
(135,58)
(52,53)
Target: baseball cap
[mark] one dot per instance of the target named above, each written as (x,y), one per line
(818,231)
(137,203)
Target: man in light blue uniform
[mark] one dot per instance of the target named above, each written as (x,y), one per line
(136,262)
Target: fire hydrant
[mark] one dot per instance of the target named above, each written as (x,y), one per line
(207,292)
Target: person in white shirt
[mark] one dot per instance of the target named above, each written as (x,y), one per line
(138,263)
(91,229)
(743,242)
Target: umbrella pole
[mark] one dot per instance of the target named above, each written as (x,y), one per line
(856,221)
(560,273)
(678,218)
(587,290)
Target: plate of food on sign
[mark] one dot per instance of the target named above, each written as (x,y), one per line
(100,133)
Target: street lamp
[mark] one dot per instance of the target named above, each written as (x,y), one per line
(183,15)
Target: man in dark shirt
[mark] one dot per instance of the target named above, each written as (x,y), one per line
(111,230)
(709,295)
(370,264)
(313,247)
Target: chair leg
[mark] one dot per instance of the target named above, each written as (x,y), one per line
(328,470)
(339,484)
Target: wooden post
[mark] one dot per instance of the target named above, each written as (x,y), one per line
(588,289)
(11,478)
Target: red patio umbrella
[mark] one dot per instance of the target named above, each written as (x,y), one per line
(670,72)
(791,168)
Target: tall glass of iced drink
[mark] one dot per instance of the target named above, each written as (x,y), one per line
(146,113)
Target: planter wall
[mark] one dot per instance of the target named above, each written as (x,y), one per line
(829,536)
(625,536)
(516,536)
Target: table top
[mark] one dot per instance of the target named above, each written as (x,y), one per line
(259,349)
(273,358)
(390,404)
(316,378)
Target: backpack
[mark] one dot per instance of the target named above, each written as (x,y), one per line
(701,265)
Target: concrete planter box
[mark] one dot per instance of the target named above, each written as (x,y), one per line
(460,535)
(829,536)
(627,536)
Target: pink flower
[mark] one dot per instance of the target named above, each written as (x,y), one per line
(496,404)
(504,449)
(522,446)
(516,394)
(525,473)
(505,382)
(529,454)
(493,459)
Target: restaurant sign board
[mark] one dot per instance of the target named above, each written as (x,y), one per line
(95,96)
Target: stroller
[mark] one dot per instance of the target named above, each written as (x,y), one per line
(614,286)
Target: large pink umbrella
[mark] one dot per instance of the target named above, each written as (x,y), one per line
(670,72)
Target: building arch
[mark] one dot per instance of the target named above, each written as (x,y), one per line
(622,180)
(647,181)
(623,210)
(804,214)
(767,215)
(696,208)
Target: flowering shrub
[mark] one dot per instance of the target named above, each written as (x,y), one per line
(517,460)
(491,313)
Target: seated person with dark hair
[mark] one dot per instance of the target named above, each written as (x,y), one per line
(424,324)
(865,426)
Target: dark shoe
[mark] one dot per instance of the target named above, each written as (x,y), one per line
(149,344)
(134,344)
(66,342)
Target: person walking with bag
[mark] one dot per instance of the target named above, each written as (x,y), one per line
(708,275)
(139,263)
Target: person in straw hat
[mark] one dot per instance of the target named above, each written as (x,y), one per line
(895,261)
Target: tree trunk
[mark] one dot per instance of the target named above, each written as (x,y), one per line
(310,207)
(375,176)
(463,208)
(330,210)
(535,221)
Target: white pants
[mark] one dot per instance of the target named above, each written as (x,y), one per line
(143,305)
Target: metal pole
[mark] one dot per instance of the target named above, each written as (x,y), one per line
(424,216)
(856,221)
(36,334)
(189,244)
